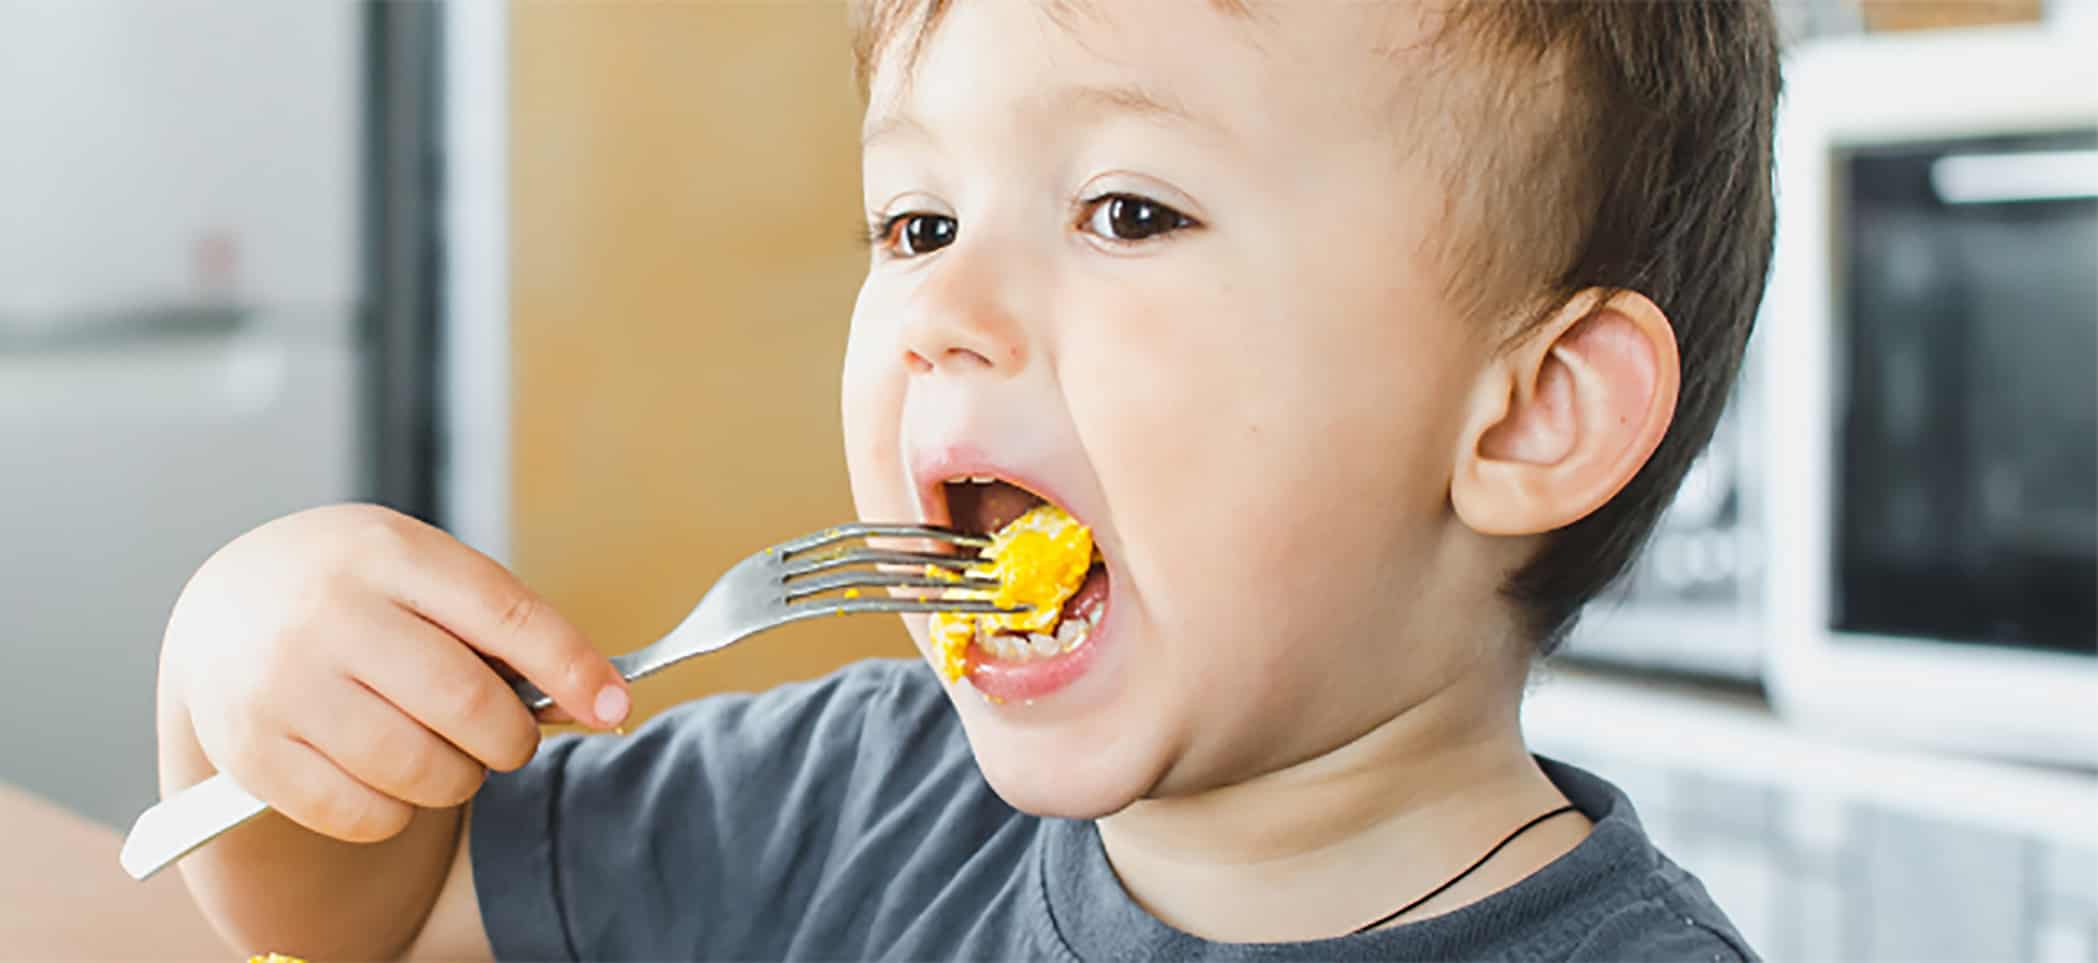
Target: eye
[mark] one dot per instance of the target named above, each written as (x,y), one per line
(909,235)
(1129,217)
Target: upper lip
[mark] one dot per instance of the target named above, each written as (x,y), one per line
(933,468)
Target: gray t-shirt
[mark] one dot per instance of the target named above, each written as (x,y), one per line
(845,819)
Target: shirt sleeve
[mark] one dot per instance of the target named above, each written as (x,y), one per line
(701,835)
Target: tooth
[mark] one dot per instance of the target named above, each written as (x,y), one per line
(981,479)
(1069,632)
(1081,628)
(1043,645)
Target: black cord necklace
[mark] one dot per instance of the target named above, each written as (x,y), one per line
(1467,871)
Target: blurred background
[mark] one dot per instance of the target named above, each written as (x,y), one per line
(521,269)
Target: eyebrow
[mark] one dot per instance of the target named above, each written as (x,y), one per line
(1110,98)
(893,125)
(1134,100)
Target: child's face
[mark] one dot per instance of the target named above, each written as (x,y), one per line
(1256,408)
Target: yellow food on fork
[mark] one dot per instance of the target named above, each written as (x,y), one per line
(1039,559)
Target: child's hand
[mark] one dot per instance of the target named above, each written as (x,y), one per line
(336,663)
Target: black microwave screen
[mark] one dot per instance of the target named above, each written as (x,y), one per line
(1966,463)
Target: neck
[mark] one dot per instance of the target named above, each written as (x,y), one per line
(1369,826)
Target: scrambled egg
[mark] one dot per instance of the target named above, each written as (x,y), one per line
(1039,560)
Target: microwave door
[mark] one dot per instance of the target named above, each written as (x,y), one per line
(1967,496)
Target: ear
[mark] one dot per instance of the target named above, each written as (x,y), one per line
(1565,417)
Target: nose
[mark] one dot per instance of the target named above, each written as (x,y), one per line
(962,319)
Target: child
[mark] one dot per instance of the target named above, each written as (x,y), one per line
(1367,339)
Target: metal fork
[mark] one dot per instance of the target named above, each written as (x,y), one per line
(794,580)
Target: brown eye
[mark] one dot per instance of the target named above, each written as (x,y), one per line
(914,234)
(1128,217)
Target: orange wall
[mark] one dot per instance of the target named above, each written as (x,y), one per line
(684,199)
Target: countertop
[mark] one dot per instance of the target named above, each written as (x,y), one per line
(1731,732)
(63,897)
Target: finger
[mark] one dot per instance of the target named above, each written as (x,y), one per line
(379,745)
(486,606)
(309,789)
(439,682)
(546,715)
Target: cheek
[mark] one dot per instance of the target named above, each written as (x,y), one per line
(1247,438)
(871,407)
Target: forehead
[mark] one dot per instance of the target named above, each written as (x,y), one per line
(1222,63)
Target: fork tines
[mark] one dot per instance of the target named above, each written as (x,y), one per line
(860,606)
(818,584)
(840,533)
(807,573)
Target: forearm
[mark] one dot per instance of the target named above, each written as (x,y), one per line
(274,885)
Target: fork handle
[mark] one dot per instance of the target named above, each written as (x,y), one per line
(177,825)
(530,694)
(630,666)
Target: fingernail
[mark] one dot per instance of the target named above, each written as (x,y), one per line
(612,705)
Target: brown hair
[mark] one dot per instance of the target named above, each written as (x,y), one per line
(1634,154)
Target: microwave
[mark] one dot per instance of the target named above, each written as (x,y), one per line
(1929,350)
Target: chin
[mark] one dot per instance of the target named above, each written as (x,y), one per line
(1061,776)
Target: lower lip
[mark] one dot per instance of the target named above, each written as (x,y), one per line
(1002,680)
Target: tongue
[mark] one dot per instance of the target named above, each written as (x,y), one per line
(988,508)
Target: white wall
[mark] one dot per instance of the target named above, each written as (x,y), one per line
(130,129)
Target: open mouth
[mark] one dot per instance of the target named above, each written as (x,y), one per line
(1042,558)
